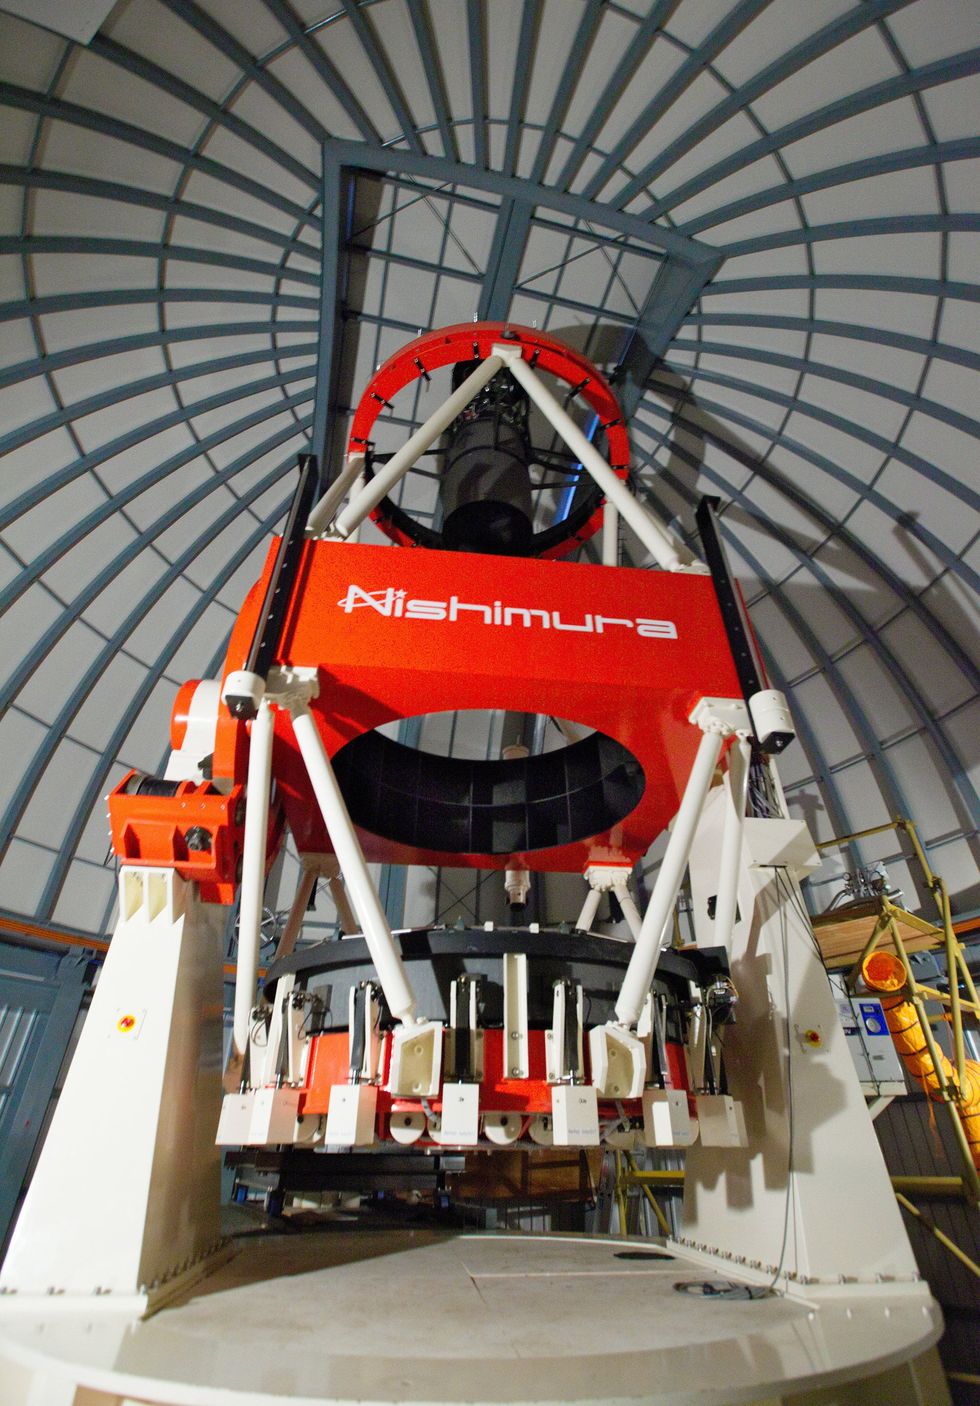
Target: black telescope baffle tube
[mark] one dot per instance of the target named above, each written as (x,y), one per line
(462,1068)
(282,1054)
(748,664)
(279,592)
(363,993)
(570,1033)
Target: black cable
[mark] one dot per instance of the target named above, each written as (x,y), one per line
(718,1289)
(800,909)
(708,1061)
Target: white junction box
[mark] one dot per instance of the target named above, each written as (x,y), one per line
(351,1114)
(575,1115)
(460,1114)
(235,1122)
(274,1115)
(721,1121)
(667,1120)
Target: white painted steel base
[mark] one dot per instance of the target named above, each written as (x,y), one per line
(807,1190)
(125,1198)
(412,1317)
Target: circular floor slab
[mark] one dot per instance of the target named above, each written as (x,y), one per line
(411,1317)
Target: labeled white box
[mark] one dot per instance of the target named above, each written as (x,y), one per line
(667,1121)
(274,1114)
(575,1115)
(460,1114)
(351,1115)
(721,1121)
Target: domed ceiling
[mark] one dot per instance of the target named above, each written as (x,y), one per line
(760,217)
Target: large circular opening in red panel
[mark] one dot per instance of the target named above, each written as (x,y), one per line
(470,805)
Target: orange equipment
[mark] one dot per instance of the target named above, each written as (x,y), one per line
(885,974)
(185,825)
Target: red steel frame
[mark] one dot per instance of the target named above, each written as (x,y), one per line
(624,651)
(375,668)
(329,1060)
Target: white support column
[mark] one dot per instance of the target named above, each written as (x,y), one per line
(364,897)
(323,512)
(399,464)
(646,953)
(608,878)
(651,533)
(630,911)
(335,883)
(294,923)
(325,866)
(726,903)
(253,871)
(610,535)
(357,533)
(589,909)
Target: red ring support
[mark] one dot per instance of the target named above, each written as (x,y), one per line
(469,341)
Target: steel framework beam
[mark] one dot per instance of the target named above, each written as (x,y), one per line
(941,223)
(686,270)
(116,641)
(938,154)
(813,47)
(360,156)
(89,797)
(504,263)
(898,674)
(909,598)
(891,90)
(928,471)
(675,290)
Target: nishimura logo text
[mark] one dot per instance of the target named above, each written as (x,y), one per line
(398,605)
